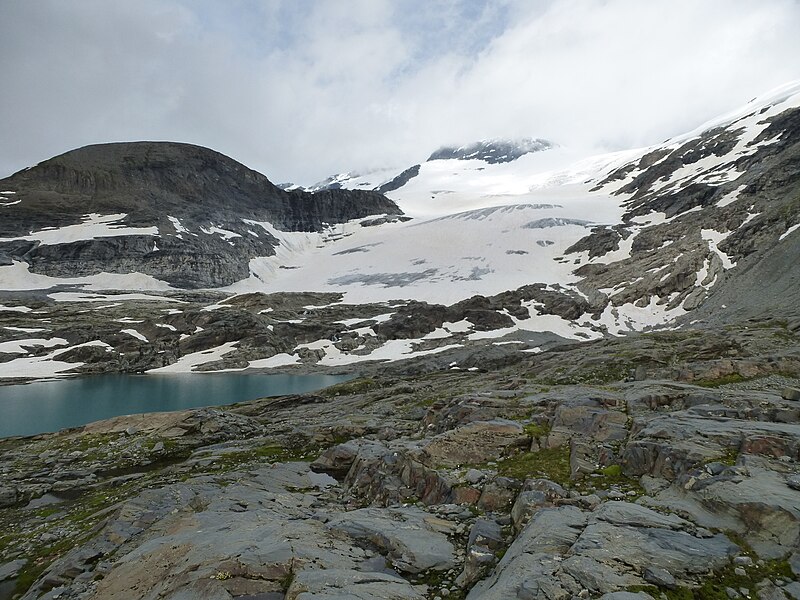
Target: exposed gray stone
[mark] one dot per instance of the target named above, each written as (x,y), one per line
(644,547)
(634,515)
(597,576)
(485,532)
(626,596)
(791,394)
(414,540)
(10,569)
(336,461)
(659,577)
(793,590)
(9,496)
(771,592)
(340,584)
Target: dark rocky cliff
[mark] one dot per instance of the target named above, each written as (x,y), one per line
(150,182)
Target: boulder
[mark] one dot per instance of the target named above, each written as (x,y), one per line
(336,461)
(412,539)
(535,495)
(499,494)
(12,568)
(347,584)
(790,394)
(9,496)
(475,443)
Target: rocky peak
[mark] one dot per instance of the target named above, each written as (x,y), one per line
(171,200)
(492,151)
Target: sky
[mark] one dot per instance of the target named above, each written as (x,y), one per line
(302,89)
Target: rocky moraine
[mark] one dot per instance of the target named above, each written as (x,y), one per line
(656,465)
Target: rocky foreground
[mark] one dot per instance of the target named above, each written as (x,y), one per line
(658,465)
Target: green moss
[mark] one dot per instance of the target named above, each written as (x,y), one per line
(39,561)
(729,457)
(47,511)
(348,388)
(537,430)
(609,477)
(713,587)
(724,380)
(231,461)
(613,471)
(550,463)
(435,579)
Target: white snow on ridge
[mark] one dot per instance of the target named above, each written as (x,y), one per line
(441,260)
(629,317)
(24,329)
(730,197)
(21,309)
(39,367)
(35,367)
(92,297)
(279,360)
(187,363)
(713,239)
(224,233)
(390,351)
(788,232)
(18,276)
(749,121)
(448,186)
(93,226)
(179,228)
(16,346)
(778,99)
(134,333)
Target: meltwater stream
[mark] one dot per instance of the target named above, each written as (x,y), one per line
(52,405)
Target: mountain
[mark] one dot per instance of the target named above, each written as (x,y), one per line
(710,219)
(182,214)
(575,383)
(492,151)
(699,230)
(479,154)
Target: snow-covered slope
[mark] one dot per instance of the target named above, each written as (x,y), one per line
(694,228)
(484,228)
(443,259)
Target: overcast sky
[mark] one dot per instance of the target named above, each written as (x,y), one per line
(301,89)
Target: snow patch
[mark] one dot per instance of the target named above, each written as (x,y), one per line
(187,363)
(730,197)
(224,233)
(279,360)
(16,346)
(788,232)
(713,239)
(94,226)
(86,297)
(135,334)
(21,309)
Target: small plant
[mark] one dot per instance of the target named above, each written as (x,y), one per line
(537,430)
(724,380)
(549,463)
(612,471)
(348,388)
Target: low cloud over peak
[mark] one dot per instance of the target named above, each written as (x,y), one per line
(302,89)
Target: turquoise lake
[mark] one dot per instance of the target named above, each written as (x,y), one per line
(52,405)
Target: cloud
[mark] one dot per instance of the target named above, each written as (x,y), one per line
(299,89)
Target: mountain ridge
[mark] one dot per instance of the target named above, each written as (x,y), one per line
(174,189)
